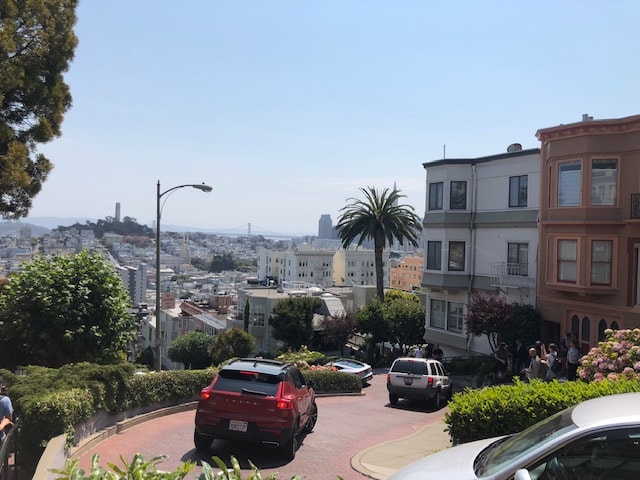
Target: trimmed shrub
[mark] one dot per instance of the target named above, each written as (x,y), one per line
(507,409)
(303,355)
(328,380)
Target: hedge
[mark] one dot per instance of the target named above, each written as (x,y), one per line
(51,402)
(507,409)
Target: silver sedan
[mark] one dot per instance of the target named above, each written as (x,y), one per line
(596,439)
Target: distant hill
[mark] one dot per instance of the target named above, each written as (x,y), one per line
(12,229)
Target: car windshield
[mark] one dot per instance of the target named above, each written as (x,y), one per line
(502,452)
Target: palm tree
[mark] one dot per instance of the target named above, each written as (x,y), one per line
(378,217)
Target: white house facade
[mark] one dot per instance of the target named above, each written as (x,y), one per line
(481,235)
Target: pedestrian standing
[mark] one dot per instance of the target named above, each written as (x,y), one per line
(6,411)
(573,359)
(533,370)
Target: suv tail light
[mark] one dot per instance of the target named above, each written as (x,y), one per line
(430,382)
(284,404)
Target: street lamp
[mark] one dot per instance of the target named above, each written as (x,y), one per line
(204,188)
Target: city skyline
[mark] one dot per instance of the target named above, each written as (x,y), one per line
(286,109)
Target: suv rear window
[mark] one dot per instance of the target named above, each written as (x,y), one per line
(250,382)
(408,366)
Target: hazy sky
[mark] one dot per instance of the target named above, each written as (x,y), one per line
(287,108)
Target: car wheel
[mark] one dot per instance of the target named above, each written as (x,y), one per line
(450,393)
(202,442)
(289,448)
(393,399)
(437,400)
(313,418)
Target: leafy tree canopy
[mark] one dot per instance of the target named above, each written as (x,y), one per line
(231,343)
(405,316)
(36,47)
(224,262)
(292,321)
(192,350)
(337,330)
(65,309)
(380,218)
(489,315)
(372,321)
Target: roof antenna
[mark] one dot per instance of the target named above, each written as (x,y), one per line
(444,151)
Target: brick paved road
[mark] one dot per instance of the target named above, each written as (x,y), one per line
(346,425)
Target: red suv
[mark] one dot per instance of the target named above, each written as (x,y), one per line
(256,400)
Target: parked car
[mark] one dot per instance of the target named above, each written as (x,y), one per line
(419,379)
(596,439)
(349,365)
(256,400)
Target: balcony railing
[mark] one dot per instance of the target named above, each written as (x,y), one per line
(513,275)
(635,205)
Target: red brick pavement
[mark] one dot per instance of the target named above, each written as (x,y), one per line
(346,425)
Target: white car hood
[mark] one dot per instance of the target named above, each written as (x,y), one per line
(455,463)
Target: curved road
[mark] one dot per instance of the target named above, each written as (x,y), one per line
(346,425)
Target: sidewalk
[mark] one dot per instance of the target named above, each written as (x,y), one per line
(383,460)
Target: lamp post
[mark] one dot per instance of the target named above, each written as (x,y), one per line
(204,188)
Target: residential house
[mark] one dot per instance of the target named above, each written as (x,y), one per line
(588,275)
(481,236)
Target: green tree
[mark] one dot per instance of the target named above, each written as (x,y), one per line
(192,350)
(222,263)
(381,219)
(405,316)
(247,315)
(231,343)
(65,309)
(292,321)
(526,325)
(36,46)
(337,330)
(490,315)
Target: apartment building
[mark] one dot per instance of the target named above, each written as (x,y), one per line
(406,273)
(589,278)
(358,267)
(481,235)
(135,281)
(323,268)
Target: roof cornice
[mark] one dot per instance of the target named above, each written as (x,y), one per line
(613,126)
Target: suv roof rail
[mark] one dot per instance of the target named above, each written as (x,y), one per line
(267,361)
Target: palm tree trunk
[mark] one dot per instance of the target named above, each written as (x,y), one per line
(378,247)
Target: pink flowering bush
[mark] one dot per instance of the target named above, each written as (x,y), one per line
(617,357)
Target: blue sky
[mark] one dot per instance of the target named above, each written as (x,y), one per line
(287,108)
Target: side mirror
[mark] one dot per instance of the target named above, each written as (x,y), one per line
(310,384)
(522,474)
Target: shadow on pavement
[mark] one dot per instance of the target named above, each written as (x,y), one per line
(262,456)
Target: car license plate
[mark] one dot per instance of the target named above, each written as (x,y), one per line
(237,426)
(408,380)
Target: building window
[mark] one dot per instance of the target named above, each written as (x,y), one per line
(518,259)
(458,196)
(455,317)
(601,259)
(586,330)
(604,181)
(437,317)
(518,187)
(567,260)
(435,196)
(434,255)
(456,256)
(569,184)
